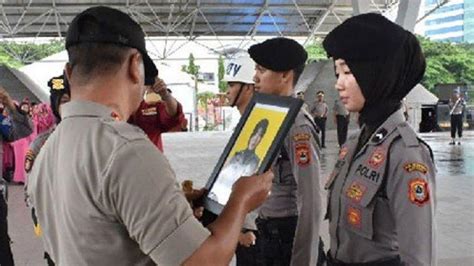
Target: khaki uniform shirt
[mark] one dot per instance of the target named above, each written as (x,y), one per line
(319,110)
(296,189)
(382,199)
(105,195)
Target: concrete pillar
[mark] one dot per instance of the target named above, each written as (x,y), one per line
(408,13)
(360,7)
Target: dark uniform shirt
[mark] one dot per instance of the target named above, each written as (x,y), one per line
(381,200)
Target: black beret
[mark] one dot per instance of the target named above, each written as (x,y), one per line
(364,37)
(278,54)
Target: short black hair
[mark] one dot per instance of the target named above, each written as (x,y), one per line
(91,59)
(297,73)
(262,124)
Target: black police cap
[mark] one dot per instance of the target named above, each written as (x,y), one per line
(365,37)
(115,27)
(278,54)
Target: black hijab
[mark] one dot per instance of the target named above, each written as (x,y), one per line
(385,59)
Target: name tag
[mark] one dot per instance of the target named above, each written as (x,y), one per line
(149,111)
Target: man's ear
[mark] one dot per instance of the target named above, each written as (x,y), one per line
(68,71)
(287,76)
(134,68)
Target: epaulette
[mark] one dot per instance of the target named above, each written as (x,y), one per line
(408,135)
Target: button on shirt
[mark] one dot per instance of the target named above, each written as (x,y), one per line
(105,195)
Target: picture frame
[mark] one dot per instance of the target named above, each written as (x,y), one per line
(253,146)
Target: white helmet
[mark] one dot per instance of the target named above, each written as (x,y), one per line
(240,69)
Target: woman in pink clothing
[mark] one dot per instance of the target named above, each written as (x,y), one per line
(43,120)
(21,146)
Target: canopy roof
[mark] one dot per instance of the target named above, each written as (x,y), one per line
(189,18)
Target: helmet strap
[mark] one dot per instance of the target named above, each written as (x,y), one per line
(238,94)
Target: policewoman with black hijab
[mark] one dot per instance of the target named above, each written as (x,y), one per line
(381,193)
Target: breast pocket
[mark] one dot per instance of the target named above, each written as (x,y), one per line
(358,206)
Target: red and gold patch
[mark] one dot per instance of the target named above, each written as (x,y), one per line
(301,137)
(416,167)
(302,154)
(29,160)
(343,153)
(418,191)
(354,217)
(377,158)
(356,191)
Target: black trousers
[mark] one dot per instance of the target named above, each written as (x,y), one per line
(342,127)
(395,261)
(6,256)
(276,240)
(456,125)
(321,123)
(249,256)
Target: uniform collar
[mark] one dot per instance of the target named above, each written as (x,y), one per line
(387,127)
(85,108)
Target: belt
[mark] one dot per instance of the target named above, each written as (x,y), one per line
(394,261)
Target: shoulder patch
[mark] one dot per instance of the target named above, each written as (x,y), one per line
(301,137)
(416,167)
(302,154)
(408,135)
(418,191)
(29,160)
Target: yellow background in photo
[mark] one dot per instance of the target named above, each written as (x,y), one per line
(275,118)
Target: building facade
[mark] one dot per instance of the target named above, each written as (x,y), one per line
(452,22)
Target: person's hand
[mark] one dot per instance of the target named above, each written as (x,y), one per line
(5,98)
(247,239)
(160,88)
(252,190)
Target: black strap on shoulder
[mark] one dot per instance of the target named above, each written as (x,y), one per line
(316,129)
(427,146)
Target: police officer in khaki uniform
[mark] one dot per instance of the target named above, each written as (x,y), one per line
(289,221)
(320,114)
(382,191)
(103,194)
(59,95)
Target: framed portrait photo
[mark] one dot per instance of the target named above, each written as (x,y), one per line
(253,146)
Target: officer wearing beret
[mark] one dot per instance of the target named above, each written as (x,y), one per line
(289,221)
(381,193)
(103,193)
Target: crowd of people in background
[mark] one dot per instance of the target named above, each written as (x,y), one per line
(14,153)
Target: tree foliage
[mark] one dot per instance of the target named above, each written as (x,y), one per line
(220,75)
(15,54)
(191,68)
(445,62)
